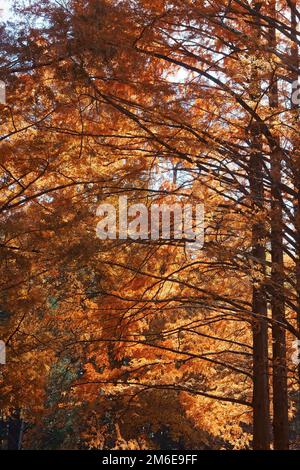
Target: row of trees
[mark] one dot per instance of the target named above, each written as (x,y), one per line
(138,344)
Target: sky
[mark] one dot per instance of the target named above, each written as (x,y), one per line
(4,8)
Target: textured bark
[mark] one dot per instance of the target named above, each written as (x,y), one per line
(296,174)
(280,393)
(261,401)
(261,406)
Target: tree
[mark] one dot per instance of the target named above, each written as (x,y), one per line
(167,102)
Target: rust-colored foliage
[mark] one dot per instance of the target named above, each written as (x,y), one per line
(123,344)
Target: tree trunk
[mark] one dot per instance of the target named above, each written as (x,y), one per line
(296,176)
(261,403)
(14,431)
(280,392)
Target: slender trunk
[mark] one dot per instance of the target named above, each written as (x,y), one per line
(3,432)
(14,430)
(296,175)
(261,404)
(280,391)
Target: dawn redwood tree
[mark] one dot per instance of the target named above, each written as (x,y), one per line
(280,392)
(152,86)
(261,404)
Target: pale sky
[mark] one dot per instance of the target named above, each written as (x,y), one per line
(4,7)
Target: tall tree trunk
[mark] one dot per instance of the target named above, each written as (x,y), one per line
(261,404)
(280,392)
(296,174)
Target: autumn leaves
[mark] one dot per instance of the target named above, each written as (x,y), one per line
(151,104)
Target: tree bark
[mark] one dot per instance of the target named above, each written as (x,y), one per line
(261,401)
(280,390)
(261,405)
(296,175)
